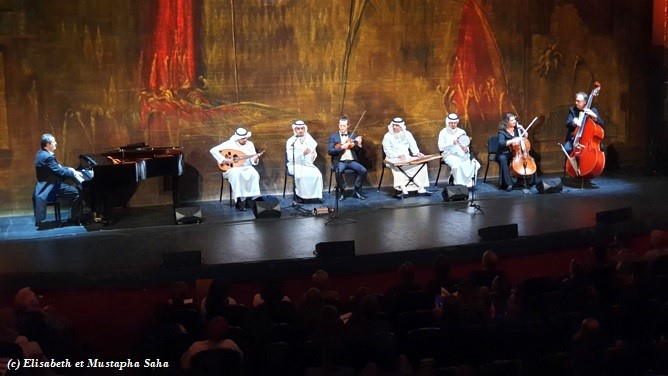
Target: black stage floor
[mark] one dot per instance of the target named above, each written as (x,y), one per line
(382,225)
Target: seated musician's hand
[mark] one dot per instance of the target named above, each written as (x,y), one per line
(307,151)
(576,122)
(358,139)
(590,113)
(420,155)
(227,161)
(255,159)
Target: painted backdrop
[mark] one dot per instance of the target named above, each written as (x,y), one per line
(99,74)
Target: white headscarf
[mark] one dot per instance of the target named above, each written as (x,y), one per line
(239,134)
(307,139)
(397,121)
(451,118)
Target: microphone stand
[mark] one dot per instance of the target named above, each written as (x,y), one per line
(334,218)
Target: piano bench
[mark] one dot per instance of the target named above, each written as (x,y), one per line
(56,209)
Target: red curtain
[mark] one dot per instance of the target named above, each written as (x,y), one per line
(171,54)
(478,81)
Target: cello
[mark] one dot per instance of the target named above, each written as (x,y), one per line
(523,164)
(586,160)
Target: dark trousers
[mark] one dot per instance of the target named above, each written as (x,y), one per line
(66,192)
(505,177)
(360,171)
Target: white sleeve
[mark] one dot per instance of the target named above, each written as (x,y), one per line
(251,148)
(313,154)
(387,148)
(215,153)
(412,145)
(441,140)
(288,150)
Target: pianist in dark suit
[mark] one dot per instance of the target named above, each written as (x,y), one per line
(51,185)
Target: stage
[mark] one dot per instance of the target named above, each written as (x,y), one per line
(383,228)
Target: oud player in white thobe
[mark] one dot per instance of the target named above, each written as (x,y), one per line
(245,180)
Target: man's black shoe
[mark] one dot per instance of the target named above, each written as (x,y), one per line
(342,196)
(359,196)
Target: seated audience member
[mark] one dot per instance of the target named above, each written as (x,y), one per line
(308,310)
(320,280)
(589,349)
(489,271)
(217,300)
(407,295)
(9,334)
(41,324)
(216,332)
(442,284)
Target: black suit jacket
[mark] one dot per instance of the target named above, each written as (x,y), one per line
(337,152)
(50,174)
(573,113)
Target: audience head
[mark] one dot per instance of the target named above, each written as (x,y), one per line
(312,297)
(658,239)
(441,268)
(179,293)
(216,329)
(589,330)
(320,279)
(27,300)
(218,290)
(489,260)
(407,272)
(369,306)
(271,292)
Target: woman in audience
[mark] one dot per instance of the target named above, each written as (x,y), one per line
(216,332)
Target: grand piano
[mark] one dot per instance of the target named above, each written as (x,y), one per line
(112,178)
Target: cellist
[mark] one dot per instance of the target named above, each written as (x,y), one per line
(510,132)
(573,120)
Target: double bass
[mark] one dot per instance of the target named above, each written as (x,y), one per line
(586,160)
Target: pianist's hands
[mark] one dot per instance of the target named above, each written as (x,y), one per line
(79,176)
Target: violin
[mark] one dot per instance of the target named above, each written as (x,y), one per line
(238,158)
(347,145)
(351,143)
(523,163)
(586,160)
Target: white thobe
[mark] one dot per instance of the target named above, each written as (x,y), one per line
(307,177)
(245,180)
(396,147)
(462,167)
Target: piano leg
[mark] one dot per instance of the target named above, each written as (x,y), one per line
(175,190)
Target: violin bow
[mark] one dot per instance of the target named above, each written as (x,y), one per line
(358,123)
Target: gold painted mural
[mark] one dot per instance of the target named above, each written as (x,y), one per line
(100,74)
